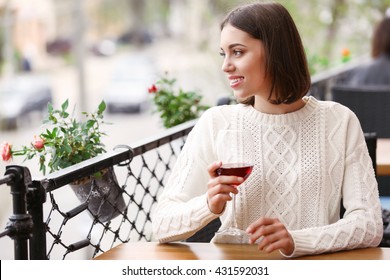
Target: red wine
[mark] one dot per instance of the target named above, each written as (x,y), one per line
(235,169)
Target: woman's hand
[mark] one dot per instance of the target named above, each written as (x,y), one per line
(220,188)
(273,235)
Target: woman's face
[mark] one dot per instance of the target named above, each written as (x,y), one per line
(244,63)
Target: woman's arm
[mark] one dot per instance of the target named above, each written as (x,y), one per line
(361,226)
(183,207)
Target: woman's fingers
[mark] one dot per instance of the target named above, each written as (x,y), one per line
(220,188)
(212,168)
(261,227)
(271,235)
(263,221)
(281,240)
(219,182)
(219,192)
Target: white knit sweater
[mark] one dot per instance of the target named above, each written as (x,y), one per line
(306,162)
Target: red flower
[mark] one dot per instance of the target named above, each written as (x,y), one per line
(6,153)
(152,89)
(38,142)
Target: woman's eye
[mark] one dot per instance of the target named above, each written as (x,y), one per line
(237,52)
(222,54)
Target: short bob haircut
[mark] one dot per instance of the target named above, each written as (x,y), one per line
(381,38)
(286,62)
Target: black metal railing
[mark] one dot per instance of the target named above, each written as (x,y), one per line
(20,224)
(64,226)
(49,222)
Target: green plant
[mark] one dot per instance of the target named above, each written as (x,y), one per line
(175,106)
(319,63)
(65,142)
(316,63)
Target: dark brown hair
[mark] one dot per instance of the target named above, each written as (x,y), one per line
(286,62)
(381,38)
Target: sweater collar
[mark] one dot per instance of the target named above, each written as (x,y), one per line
(282,119)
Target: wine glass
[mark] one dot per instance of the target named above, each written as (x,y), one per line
(235,149)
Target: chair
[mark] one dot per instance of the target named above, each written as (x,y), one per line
(371,104)
(371,141)
(206,233)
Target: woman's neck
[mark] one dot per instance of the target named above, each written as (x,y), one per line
(264,106)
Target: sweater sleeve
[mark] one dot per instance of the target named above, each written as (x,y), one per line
(361,226)
(182,207)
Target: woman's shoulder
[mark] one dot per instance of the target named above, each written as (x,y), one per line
(333,107)
(220,116)
(337,112)
(223,111)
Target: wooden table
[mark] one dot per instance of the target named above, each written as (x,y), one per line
(212,251)
(383,157)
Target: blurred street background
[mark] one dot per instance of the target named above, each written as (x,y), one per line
(53,50)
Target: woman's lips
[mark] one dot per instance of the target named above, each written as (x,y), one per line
(235,81)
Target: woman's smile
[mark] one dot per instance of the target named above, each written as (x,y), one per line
(236,81)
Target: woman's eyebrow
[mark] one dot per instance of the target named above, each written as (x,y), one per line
(231,46)
(236,45)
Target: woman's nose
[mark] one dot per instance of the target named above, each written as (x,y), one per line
(227,66)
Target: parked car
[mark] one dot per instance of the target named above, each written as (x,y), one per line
(59,46)
(127,91)
(21,95)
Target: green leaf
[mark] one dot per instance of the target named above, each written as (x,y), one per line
(65,105)
(68,149)
(50,108)
(102,107)
(90,123)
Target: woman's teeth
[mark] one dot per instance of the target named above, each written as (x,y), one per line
(235,81)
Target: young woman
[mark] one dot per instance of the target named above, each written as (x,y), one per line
(309,154)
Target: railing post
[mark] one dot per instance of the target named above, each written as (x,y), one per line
(35,200)
(20,224)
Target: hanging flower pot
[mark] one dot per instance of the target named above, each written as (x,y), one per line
(67,141)
(103,194)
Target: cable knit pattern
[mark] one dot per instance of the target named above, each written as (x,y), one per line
(305,162)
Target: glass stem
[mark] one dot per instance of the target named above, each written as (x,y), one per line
(234,212)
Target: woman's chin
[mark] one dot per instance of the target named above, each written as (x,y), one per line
(241,96)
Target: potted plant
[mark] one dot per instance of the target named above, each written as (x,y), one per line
(67,141)
(175,105)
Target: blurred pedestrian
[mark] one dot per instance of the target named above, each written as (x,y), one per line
(377,71)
